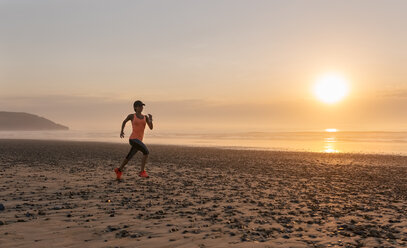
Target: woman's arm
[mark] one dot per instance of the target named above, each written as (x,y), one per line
(150,121)
(128,118)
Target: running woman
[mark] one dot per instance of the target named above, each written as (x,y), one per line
(138,121)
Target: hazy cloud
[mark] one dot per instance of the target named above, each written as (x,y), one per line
(103,113)
(400,93)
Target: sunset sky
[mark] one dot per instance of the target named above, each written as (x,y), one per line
(205,65)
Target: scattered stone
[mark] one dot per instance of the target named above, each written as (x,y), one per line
(122,234)
(28,214)
(111,228)
(136,235)
(244,238)
(391,236)
(374,233)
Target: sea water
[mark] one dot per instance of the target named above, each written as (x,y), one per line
(327,142)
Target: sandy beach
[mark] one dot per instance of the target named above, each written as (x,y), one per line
(64,194)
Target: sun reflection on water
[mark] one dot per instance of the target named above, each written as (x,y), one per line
(330,142)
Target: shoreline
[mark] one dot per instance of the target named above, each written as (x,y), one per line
(232,148)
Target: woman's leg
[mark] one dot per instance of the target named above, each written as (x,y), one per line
(125,161)
(140,146)
(143,162)
(133,150)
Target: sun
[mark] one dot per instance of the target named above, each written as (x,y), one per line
(331,88)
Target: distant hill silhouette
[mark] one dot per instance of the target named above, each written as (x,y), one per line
(10,121)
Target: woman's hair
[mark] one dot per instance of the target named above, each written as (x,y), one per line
(137,103)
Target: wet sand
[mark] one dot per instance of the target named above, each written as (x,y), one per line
(64,194)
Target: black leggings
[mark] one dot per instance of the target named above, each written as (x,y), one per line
(136,145)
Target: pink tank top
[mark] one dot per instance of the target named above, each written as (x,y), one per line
(138,128)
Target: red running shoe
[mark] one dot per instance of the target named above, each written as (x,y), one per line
(118,173)
(143,174)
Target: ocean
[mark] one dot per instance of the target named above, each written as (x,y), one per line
(394,143)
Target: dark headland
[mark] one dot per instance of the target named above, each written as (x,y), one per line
(10,121)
